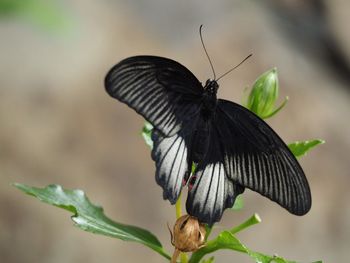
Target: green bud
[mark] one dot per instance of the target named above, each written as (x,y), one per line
(264,94)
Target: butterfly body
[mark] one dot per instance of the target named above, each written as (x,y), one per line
(199,139)
(209,99)
(233,148)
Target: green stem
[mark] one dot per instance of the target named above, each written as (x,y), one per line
(208,230)
(178,207)
(178,210)
(183,257)
(254,219)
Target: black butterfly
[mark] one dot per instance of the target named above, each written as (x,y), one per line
(232,147)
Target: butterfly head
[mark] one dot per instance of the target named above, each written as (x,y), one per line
(211,87)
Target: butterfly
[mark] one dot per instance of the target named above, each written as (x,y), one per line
(232,148)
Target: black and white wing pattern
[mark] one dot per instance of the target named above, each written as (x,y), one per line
(171,156)
(162,90)
(212,191)
(257,158)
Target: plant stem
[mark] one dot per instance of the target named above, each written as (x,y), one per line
(178,207)
(175,256)
(183,257)
(254,219)
(208,231)
(178,210)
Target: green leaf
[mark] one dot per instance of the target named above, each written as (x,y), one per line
(238,205)
(90,217)
(226,240)
(300,148)
(264,94)
(147,134)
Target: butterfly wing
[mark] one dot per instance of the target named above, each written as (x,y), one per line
(257,158)
(211,191)
(171,157)
(163,91)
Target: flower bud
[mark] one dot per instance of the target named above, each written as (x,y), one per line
(188,234)
(263,96)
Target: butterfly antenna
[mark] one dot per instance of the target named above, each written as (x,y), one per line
(223,75)
(205,50)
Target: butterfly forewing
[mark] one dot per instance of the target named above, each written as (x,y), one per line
(256,157)
(163,91)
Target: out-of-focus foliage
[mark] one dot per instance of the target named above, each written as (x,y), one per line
(46,13)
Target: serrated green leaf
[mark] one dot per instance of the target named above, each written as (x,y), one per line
(300,148)
(90,217)
(147,134)
(238,205)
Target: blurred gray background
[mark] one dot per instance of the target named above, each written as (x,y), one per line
(57,124)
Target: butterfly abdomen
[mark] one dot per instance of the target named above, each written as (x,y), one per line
(199,145)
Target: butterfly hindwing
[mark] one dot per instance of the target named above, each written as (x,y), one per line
(171,157)
(212,191)
(256,157)
(162,90)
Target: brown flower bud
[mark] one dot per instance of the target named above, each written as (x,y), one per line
(188,235)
